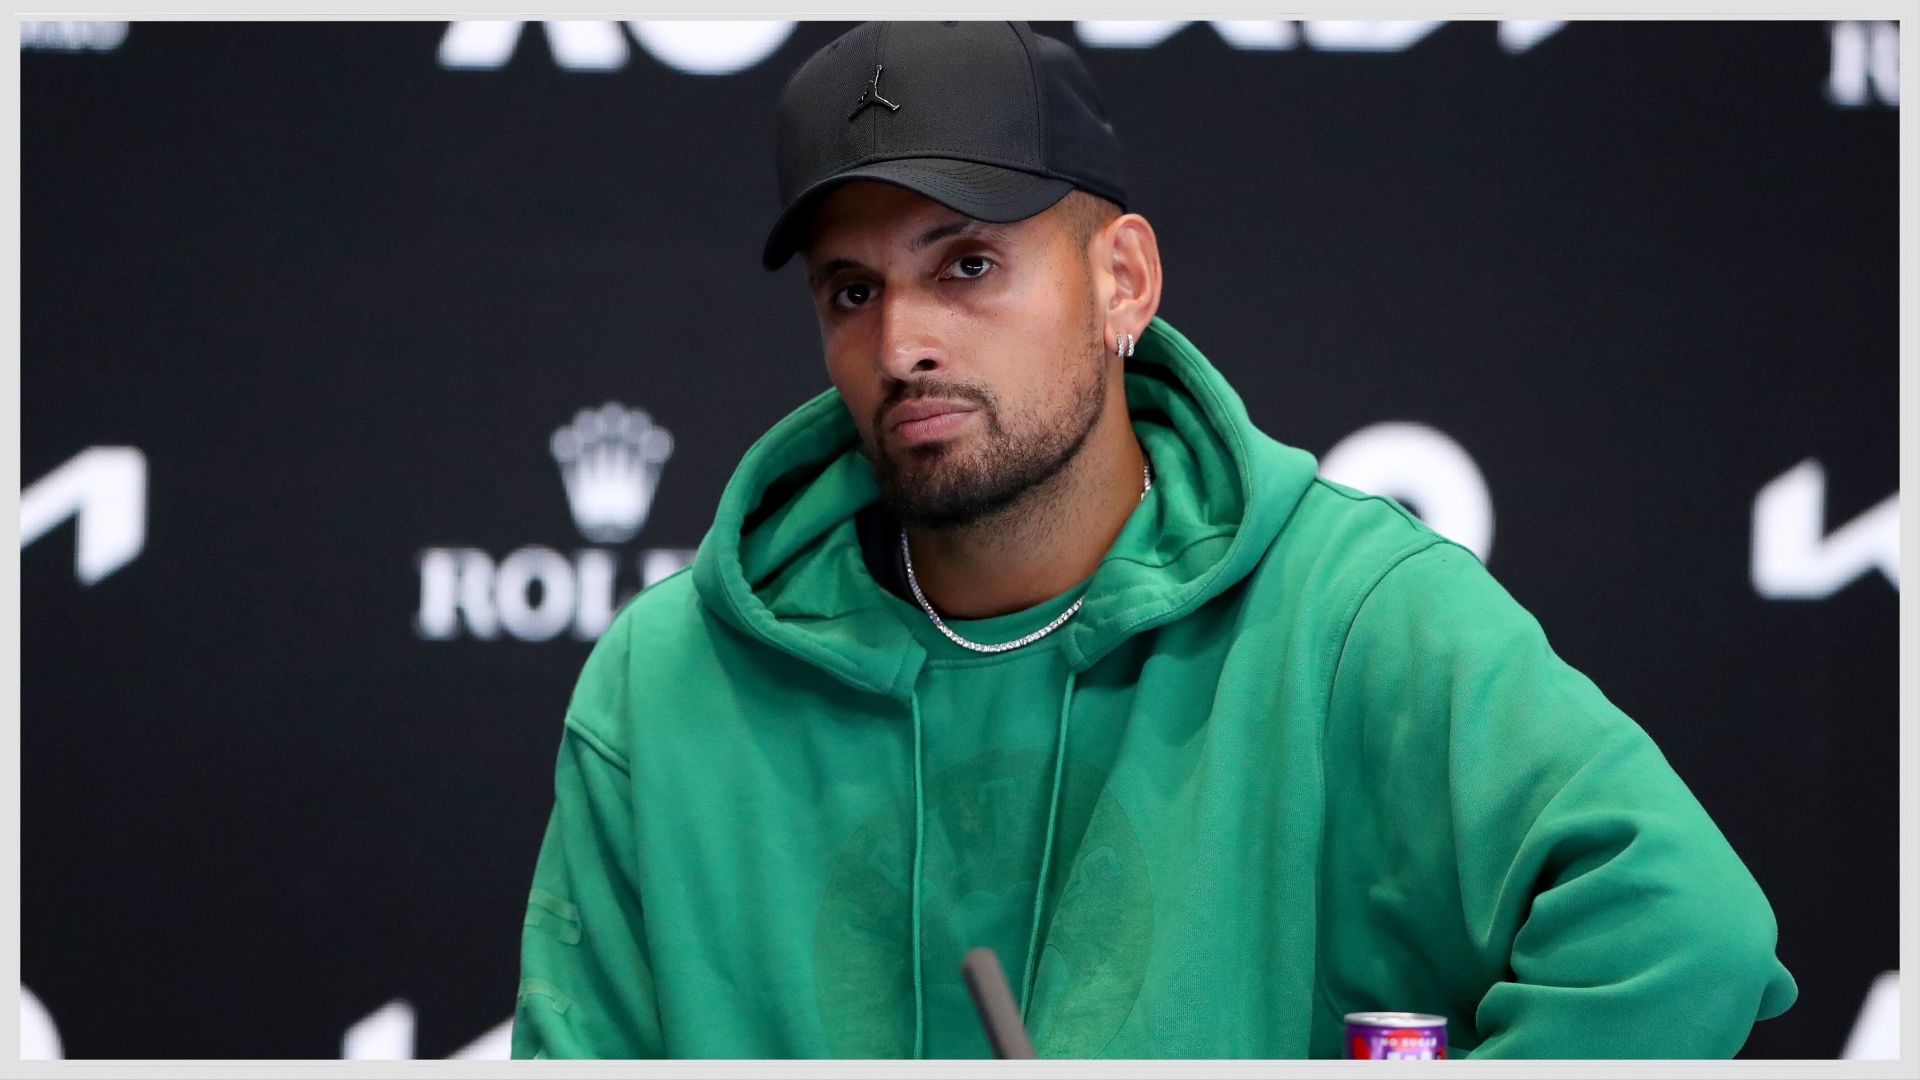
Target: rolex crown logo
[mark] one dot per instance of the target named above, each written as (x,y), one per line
(610,461)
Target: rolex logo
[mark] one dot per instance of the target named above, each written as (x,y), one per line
(610,461)
(871,95)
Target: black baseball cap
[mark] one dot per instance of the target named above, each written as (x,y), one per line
(988,118)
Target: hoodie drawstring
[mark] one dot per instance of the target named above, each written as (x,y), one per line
(919,844)
(1031,971)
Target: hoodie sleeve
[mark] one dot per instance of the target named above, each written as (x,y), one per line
(586,981)
(1608,915)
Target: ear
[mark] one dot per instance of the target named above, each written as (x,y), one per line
(1130,261)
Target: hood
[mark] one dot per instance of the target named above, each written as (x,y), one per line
(782,564)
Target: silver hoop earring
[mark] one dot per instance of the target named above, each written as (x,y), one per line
(1123,344)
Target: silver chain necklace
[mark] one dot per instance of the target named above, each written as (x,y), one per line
(907,554)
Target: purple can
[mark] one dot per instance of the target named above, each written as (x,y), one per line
(1396,1036)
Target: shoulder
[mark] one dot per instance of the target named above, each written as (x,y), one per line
(1331,510)
(1363,564)
(1427,635)
(662,620)
(1339,543)
(666,607)
(1396,588)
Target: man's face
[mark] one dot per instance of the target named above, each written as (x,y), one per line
(918,305)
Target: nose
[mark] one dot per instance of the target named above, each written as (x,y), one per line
(910,341)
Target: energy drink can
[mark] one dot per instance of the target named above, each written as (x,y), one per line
(1396,1035)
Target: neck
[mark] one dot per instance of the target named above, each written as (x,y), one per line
(1044,544)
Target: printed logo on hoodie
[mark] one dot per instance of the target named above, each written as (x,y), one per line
(1093,947)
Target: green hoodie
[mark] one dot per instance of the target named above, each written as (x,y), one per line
(1296,756)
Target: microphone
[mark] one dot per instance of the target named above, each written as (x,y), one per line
(994,1001)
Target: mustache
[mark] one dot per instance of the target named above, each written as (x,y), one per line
(978,398)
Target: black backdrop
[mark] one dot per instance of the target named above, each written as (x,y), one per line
(335,293)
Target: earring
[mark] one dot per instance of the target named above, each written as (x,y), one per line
(1123,344)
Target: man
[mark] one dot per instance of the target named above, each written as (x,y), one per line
(1022,636)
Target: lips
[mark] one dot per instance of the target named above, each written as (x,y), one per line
(908,411)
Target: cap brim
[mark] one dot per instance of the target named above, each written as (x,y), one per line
(984,192)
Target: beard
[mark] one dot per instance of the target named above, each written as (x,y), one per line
(957,483)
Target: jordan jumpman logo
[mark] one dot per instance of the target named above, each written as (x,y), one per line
(871,95)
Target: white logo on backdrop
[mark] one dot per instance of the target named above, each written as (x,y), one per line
(610,460)
(1146,33)
(1794,558)
(1326,35)
(386,1034)
(39,1038)
(104,490)
(1864,67)
(697,48)
(1876,1031)
(72,36)
(1519,35)
(1425,470)
(1865,64)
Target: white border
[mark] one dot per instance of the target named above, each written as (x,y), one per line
(1909,605)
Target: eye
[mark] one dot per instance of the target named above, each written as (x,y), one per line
(852,296)
(965,266)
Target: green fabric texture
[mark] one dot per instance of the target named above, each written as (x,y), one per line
(1296,756)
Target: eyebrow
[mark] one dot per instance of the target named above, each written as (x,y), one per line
(956,227)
